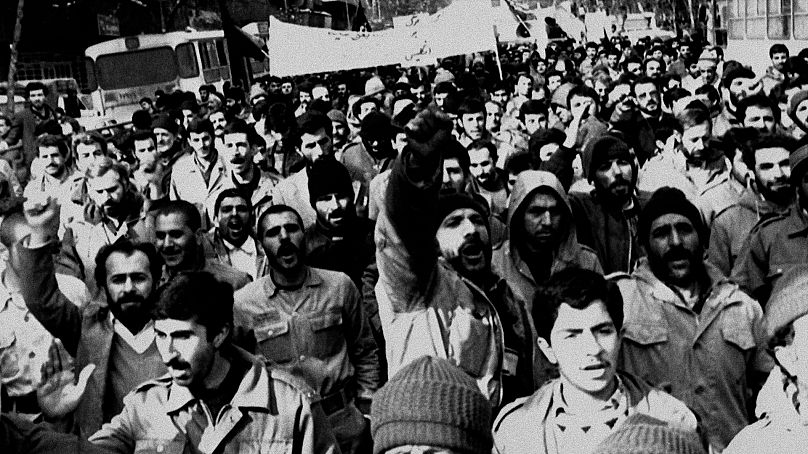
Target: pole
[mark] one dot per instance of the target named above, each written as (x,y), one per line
(496,52)
(12,61)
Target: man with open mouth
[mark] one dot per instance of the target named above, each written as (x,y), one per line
(579,324)
(688,329)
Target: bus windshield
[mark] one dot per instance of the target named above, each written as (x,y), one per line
(137,68)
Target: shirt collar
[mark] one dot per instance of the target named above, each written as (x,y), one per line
(252,391)
(248,247)
(312,280)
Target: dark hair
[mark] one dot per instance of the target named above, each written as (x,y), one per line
(778,49)
(90,138)
(577,288)
(518,162)
(583,91)
(650,59)
(275,209)
(199,125)
(182,207)
(453,150)
(52,140)
(197,296)
(767,141)
(711,92)
(34,86)
(532,107)
(228,193)
(239,126)
(143,134)
(479,144)
(693,116)
(127,247)
(470,106)
(311,122)
(758,100)
(643,80)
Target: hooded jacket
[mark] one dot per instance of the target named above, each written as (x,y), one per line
(507,261)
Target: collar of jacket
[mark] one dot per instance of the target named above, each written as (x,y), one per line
(313,279)
(797,221)
(251,393)
(717,292)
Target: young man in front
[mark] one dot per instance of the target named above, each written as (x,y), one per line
(590,400)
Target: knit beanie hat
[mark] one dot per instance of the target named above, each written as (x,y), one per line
(604,149)
(374,86)
(431,402)
(799,163)
(542,137)
(667,200)
(448,202)
(789,300)
(443,75)
(165,122)
(561,94)
(257,90)
(795,101)
(643,434)
(328,176)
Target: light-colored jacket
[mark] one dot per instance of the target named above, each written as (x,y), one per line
(426,308)
(294,192)
(709,359)
(526,425)
(272,411)
(187,183)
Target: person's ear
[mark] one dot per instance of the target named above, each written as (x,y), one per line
(547,350)
(224,333)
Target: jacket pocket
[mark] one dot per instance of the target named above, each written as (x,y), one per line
(738,333)
(275,341)
(159,446)
(328,334)
(645,334)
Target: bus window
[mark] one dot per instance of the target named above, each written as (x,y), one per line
(89,66)
(778,24)
(214,60)
(186,59)
(755,19)
(136,68)
(800,19)
(221,52)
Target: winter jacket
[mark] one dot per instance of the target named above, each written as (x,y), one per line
(711,358)
(272,411)
(731,228)
(526,425)
(426,308)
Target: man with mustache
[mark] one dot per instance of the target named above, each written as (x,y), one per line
(777,244)
(231,242)
(686,328)
(737,83)
(218,118)
(339,240)
(591,399)
(310,321)
(606,217)
(87,148)
(770,194)
(197,177)
(491,181)
(241,143)
(111,338)
(52,153)
(216,397)
(179,238)
(114,211)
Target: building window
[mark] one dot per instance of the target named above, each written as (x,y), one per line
(779,19)
(736,23)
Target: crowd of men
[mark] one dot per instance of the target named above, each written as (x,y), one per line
(602,249)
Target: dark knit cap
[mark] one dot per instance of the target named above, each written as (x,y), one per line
(799,163)
(448,202)
(431,402)
(667,200)
(737,72)
(604,149)
(165,122)
(328,176)
(543,137)
(789,300)
(643,434)
(376,125)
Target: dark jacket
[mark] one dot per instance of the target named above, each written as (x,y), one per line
(350,253)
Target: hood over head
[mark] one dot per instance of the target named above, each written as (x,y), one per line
(528,183)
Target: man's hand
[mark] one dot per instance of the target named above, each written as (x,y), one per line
(428,130)
(57,394)
(42,214)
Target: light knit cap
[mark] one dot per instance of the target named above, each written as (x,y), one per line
(431,402)
(643,434)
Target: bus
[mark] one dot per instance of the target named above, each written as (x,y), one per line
(753,26)
(124,70)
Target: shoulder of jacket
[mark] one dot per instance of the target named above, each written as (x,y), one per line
(508,411)
(162,382)
(293,381)
(771,221)
(617,276)
(588,251)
